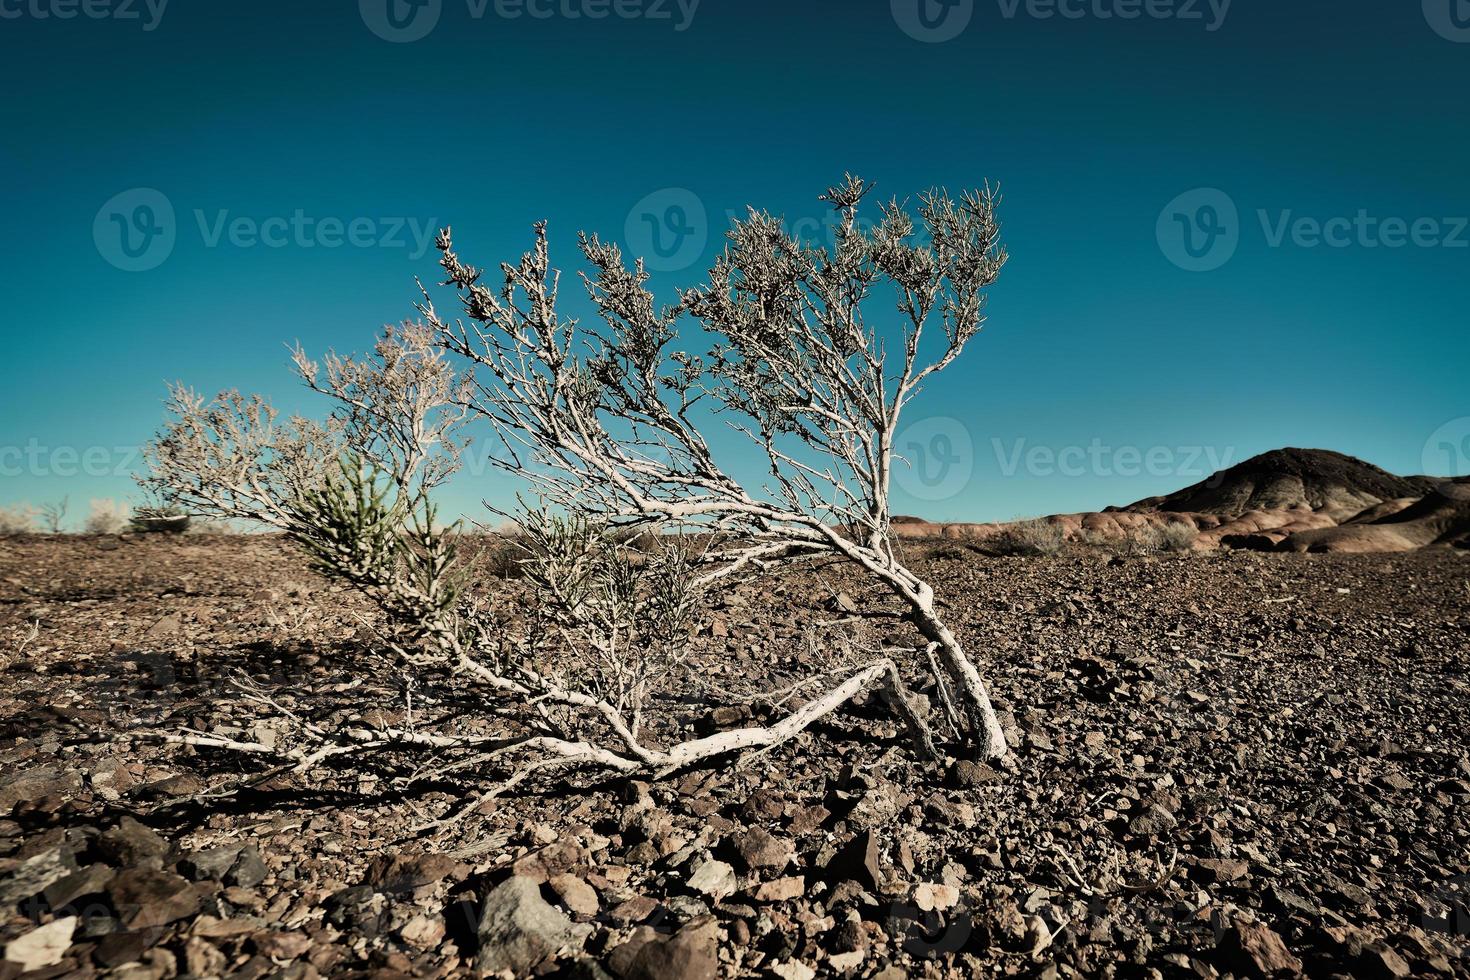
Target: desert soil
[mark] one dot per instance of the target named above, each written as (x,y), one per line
(1225,764)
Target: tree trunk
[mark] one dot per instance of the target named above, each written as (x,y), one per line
(974,698)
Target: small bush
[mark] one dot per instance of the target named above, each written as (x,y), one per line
(17,519)
(106,517)
(1178,537)
(1035,538)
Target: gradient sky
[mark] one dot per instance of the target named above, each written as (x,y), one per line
(1107,372)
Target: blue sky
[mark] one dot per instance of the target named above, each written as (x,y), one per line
(1314,152)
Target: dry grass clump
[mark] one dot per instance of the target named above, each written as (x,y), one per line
(1036,538)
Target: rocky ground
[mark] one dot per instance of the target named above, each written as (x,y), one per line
(1226,763)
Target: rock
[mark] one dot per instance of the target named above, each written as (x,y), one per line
(781,889)
(930,897)
(90,881)
(201,959)
(281,945)
(42,947)
(144,897)
(1381,962)
(1154,821)
(758,849)
(248,870)
(212,863)
(37,873)
(857,861)
(130,844)
(1254,949)
(846,962)
(518,929)
(408,871)
(575,893)
(713,878)
(37,784)
(1222,869)
(793,970)
(808,819)
(118,948)
(842,602)
(422,931)
(966,774)
(689,954)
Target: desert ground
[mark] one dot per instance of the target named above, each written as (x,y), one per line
(1226,763)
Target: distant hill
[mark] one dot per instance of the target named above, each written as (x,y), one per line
(1318,480)
(1311,500)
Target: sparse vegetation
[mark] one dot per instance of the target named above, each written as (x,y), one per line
(53,516)
(106,517)
(603,425)
(1036,538)
(17,519)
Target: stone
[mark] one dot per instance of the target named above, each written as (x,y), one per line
(281,945)
(1154,821)
(1381,962)
(713,878)
(781,889)
(1254,949)
(131,844)
(409,871)
(1222,870)
(931,897)
(758,849)
(575,894)
(36,784)
(857,861)
(793,970)
(422,931)
(210,864)
(689,954)
(201,959)
(144,897)
(249,869)
(37,873)
(966,774)
(518,929)
(92,880)
(42,947)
